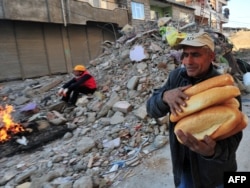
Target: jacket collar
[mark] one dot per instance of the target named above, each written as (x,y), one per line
(211,73)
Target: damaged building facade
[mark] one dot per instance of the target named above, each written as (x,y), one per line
(46,37)
(209,12)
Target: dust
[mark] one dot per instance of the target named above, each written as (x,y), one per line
(156,163)
(241,43)
(240,40)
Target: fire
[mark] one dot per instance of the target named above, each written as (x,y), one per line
(7,126)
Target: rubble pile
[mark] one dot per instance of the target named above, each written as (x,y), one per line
(110,131)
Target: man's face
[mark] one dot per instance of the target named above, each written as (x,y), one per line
(77,73)
(197,60)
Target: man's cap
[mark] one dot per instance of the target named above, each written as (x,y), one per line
(198,40)
(79,68)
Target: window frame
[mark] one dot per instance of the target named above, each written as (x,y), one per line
(138,11)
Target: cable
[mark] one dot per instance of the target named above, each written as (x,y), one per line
(239,22)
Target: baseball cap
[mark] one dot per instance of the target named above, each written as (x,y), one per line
(79,68)
(198,40)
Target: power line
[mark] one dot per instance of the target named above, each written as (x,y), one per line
(239,22)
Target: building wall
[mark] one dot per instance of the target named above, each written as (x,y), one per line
(44,37)
(179,13)
(110,4)
(33,49)
(146,3)
(60,11)
(213,16)
(159,10)
(176,11)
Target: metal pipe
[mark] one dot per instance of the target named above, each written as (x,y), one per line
(63,12)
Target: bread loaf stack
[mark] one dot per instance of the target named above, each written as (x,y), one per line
(212,109)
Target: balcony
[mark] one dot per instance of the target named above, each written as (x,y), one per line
(223,18)
(223,2)
(55,11)
(197,11)
(90,13)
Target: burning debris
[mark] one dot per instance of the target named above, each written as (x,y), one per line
(16,138)
(8,127)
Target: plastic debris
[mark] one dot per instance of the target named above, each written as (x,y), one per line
(29,107)
(22,141)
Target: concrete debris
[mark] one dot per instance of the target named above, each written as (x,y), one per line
(107,125)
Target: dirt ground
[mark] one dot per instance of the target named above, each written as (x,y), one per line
(240,40)
(156,171)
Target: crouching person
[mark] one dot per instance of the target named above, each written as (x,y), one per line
(83,82)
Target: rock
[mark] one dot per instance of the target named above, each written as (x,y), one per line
(24,185)
(84,145)
(141,112)
(132,83)
(122,106)
(160,141)
(83,182)
(117,118)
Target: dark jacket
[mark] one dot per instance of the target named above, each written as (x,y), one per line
(206,172)
(85,80)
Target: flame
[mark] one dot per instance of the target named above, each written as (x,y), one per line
(7,125)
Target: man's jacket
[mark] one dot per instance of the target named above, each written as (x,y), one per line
(206,172)
(85,80)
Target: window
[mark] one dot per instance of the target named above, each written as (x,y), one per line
(137,11)
(94,3)
(154,15)
(167,14)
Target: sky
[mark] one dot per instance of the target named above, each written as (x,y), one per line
(239,13)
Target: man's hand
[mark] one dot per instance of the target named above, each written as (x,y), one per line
(176,98)
(205,147)
(65,92)
(60,92)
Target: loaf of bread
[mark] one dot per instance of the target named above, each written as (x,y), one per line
(212,110)
(214,121)
(217,81)
(233,102)
(207,98)
(242,125)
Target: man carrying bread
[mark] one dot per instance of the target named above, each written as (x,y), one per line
(197,163)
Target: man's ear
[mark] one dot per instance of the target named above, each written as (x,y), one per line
(212,55)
